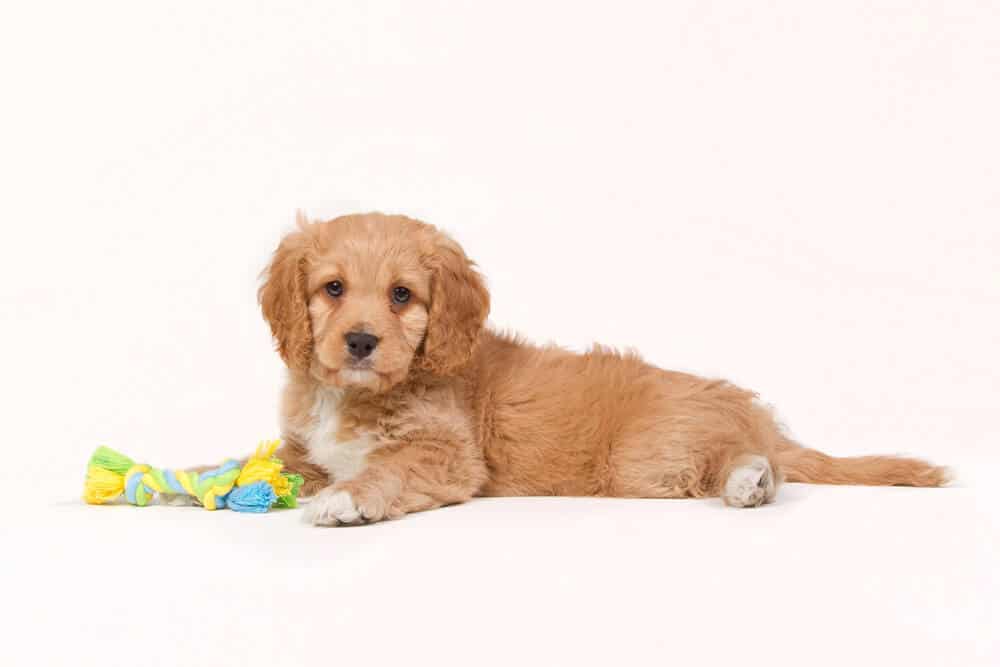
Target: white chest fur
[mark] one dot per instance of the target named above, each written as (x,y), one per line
(342,459)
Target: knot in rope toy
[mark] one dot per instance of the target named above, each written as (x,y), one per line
(255,486)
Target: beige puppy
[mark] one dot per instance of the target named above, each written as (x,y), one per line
(399,399)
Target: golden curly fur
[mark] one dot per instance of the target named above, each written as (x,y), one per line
(444,409)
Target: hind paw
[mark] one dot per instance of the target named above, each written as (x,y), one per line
(750,483)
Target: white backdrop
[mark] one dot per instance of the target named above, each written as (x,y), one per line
(802,197)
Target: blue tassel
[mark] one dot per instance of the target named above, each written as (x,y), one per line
(257,497)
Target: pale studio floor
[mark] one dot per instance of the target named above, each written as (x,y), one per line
(515,581)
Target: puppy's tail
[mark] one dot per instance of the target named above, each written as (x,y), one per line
(800,464)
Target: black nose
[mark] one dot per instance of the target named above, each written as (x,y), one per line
(360,344)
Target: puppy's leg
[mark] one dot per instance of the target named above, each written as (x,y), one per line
(715,442)
(402,477)
(725,470)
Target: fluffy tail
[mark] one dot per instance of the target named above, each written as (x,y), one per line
(812,467)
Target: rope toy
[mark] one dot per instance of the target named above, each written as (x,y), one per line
(256,486)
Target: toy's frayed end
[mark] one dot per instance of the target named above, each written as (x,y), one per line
(263,466)
(109,459)
(105,479)
(102,486)
(256,497)
(266,449)
(290,499)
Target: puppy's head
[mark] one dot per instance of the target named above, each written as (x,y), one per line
(364,300)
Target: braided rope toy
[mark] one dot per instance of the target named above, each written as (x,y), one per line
(256,486)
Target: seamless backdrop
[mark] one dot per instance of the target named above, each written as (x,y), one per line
(799,196)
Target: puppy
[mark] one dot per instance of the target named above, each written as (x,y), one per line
(399,399)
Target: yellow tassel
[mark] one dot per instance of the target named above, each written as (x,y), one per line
(102,485)
(281,485)
(266,449)
(262,466)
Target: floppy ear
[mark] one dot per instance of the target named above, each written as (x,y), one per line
(283,299)
(458,309)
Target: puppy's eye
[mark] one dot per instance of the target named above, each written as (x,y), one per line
(335,288)
(400,295)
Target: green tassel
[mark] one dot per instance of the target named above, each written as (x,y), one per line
(290,501)
(109,459)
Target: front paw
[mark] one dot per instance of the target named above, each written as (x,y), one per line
(339,507)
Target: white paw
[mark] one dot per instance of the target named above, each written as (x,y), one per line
(751,484)
(331,508)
